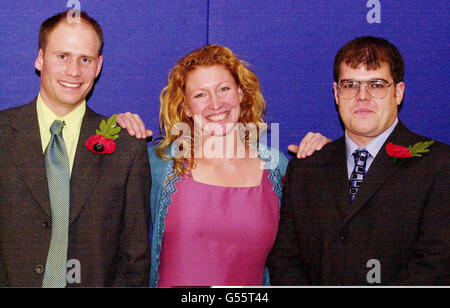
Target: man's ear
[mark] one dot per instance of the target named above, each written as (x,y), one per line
(39,60)
(99,66)
(335,90)
(399,92)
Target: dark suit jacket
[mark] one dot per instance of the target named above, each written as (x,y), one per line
(109,206)
(400,217)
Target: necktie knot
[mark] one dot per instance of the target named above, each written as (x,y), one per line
(57,126)
(360,156)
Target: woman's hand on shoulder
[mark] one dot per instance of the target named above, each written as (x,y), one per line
(311,143)
(133,124)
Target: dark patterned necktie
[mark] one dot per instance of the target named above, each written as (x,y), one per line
(58,177)
(358,172)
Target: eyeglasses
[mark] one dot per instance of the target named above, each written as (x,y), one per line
(376,88)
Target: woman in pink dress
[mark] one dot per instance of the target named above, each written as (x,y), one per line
(216,189)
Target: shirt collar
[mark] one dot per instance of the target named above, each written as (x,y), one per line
(73,120)
(373,147)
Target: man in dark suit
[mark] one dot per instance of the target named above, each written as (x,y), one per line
(98,233)
(354,215)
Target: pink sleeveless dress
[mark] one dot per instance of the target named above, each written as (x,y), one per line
(218,236)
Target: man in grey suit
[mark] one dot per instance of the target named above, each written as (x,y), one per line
(367,210)
(71,215)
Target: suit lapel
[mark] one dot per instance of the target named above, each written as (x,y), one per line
(28,155)
(336,172)
(380,170)
(86,168)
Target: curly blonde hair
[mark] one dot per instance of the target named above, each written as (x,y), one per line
(173,99)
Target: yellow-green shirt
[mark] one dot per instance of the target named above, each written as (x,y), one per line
(71,131)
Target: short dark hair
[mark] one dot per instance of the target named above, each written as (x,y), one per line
(371,52)
(50,24)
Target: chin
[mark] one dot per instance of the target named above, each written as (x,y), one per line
(71,99)
(73,103)
(222,133)
(364,124)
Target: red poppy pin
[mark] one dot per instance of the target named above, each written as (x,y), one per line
(103,141)
(416,150)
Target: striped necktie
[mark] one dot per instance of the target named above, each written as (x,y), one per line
(358,172)
(58,177)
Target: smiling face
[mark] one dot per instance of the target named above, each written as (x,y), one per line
(364,116)
(213,98)
(69,65)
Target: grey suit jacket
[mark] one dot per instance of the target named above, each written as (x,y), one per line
(400,217)
(109,206)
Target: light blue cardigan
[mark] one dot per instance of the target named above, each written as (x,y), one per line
(160,197)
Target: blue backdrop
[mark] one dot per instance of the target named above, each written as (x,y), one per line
(289,44)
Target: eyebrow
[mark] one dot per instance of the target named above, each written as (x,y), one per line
(374,79)
(216,85)
(78,56)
